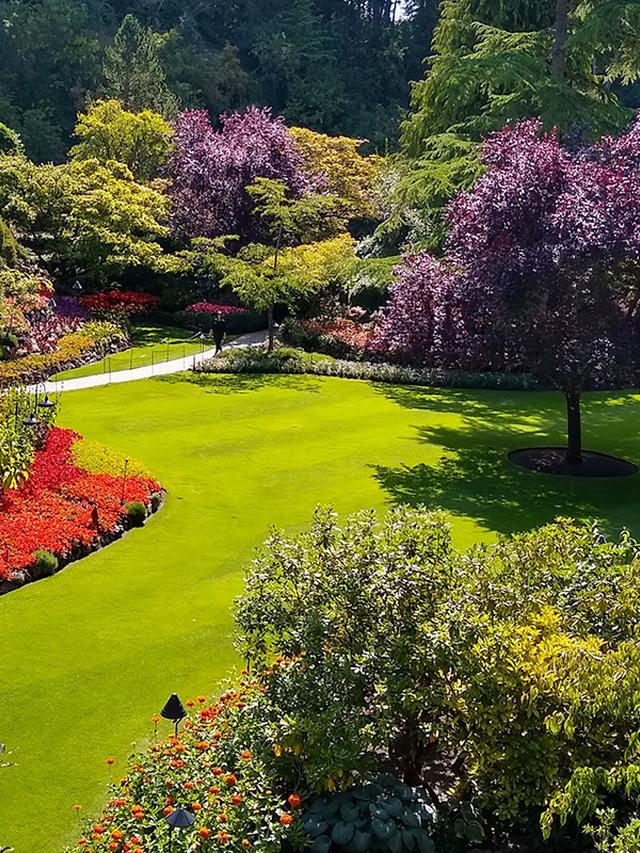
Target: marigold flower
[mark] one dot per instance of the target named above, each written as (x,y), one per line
(155,719)
(98,829)
(77,806)
(222,836)
(189,786)
(217,771)
(286,819)
(204,832)
(111,760)
(117,834)
(246,843)
(201,699)
(113,845)
(246,754)
(203,744)
(236,799)
(168,810)
(214,789)
(196,806)
(230,779)
(190,703)
(222,817)
(82,842)
(294,800)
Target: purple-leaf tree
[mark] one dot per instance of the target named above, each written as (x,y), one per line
(210,170)
(541,271)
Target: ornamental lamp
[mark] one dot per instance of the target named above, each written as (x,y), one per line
(31,421)
(174,710)
(46,403)
(179,819)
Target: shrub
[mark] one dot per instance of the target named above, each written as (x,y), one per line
(136,513)
(237,322)
(289,360)
(205,307)
(131,303)
(45,562)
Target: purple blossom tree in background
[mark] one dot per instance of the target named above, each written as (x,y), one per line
(211,169)
(541,271)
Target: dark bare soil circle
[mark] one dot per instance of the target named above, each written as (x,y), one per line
(552,460)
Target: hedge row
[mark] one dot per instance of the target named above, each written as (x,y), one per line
(286,360)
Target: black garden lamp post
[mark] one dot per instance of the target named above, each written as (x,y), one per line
(174,710)
(179,819)
(31,420)
(47,403)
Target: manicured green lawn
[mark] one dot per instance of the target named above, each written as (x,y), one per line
(89,655)
(151,345)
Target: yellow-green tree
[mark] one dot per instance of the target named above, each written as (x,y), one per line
(140,140)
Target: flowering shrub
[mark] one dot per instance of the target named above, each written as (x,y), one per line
(62,507)
(209,769)
(205,307)
(128,302)
(88,343)
(355,335)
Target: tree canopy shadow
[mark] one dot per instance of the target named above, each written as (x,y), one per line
(474,478)
(242,383)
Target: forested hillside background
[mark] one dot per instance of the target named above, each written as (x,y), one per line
(338,66)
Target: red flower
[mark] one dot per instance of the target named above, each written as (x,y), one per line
(286,819)
(294,800)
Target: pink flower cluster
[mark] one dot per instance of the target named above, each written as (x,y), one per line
(214,308)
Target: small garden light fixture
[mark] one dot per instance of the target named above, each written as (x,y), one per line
(179,819)
(174,710)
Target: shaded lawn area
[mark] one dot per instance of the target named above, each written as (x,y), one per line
(92,653)
(151,345)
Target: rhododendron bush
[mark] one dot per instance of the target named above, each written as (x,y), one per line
(205,307)
(62,507)
(128,302)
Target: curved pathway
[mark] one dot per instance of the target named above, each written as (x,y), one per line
(253,339)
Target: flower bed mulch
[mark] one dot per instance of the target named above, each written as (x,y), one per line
(64,509)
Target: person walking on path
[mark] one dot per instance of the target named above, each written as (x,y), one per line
(218,330)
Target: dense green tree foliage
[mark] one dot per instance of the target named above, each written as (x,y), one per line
(496,62)
(338,66)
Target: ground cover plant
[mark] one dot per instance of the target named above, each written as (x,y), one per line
(64,509)
(356,444)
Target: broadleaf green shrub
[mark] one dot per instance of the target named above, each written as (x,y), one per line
(136,513)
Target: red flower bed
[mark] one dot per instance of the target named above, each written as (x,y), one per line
(127,301)
(214,308)
(54,509)
(356,335)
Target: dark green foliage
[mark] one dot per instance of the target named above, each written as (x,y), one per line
(236,324)
(384,815)
(133,73)
(339,66)
(8,342)
(8,246)
(45,563)
(10,142)
(136,513)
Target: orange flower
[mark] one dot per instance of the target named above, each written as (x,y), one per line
(77,806)
(246,755)
(190,703)
(203,744)
(230,779)
(177,763)
(201,699)
(155,719)
(98,829)
(222,817)
(286,819)
(117,835)
(222,836)
(246,843)
(167,810)
(196,806)
(294,800)
(205,832)
(236,799)
(189,786)
(111,760)
(113,845)
(214,789)
(82,842)
(135,840)
(217,771)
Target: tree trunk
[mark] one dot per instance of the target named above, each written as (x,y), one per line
(559,52)
(574,428)
(270,322)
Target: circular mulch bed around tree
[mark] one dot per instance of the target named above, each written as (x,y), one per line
(552,460)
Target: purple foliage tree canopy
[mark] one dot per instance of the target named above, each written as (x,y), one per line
(541,271)
(211,169)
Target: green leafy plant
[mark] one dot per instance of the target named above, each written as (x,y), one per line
(383,815)
(136,513)
(45,563)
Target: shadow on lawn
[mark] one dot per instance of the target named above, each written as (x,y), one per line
(474,478)
(242,383)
